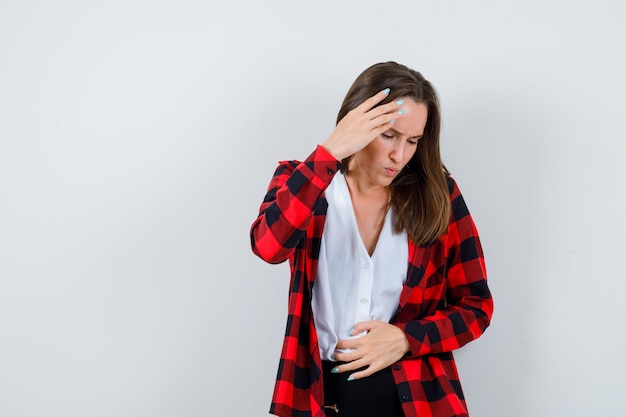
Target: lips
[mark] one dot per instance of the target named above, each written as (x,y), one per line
(391,171)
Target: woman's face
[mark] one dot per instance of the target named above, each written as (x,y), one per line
(379,162)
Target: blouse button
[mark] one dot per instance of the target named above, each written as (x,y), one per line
(331,171)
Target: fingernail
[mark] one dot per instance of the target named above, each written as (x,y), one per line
(386,90)
(350,378)
(351,331)
(400,102)
(335,370)
(332,357)
(392,122)
(400,111)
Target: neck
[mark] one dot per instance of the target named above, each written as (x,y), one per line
(361,184)
(361,187)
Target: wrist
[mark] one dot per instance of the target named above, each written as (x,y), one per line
(333,151)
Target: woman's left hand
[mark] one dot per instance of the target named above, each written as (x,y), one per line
(383,345)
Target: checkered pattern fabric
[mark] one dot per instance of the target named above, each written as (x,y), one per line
(445,302)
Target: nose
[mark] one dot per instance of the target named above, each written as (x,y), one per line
(397,152)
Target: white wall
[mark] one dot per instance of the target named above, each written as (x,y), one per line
(137,139)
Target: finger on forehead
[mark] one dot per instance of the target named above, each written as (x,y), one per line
(390,107)
(374,100)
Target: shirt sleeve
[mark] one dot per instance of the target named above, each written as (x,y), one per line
(287,208)
(464,304)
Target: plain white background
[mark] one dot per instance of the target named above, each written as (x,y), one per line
(137,139)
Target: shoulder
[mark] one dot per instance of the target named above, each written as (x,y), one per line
(453,187)
(458,207)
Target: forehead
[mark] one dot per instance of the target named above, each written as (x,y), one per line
(413,121)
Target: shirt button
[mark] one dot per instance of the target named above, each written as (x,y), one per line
(364,300)
(405,398)
(331,171)
(366,265)
(396,367)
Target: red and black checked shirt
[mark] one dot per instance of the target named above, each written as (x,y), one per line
(444,304)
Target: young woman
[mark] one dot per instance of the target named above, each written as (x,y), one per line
(368,333)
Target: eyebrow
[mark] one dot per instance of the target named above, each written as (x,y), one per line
(402,134)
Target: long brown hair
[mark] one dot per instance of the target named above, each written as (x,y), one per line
(419,194)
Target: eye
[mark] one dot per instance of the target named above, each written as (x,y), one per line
(388,135)
(413,141)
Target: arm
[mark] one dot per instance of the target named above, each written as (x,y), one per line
(287,208)
(459,301)
(468,304)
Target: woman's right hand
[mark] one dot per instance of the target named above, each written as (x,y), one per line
(362,125)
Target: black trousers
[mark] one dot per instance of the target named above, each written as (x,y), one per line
(374,396)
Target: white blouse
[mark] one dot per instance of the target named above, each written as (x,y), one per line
(351,286)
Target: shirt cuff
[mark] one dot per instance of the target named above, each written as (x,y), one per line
(323,164)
